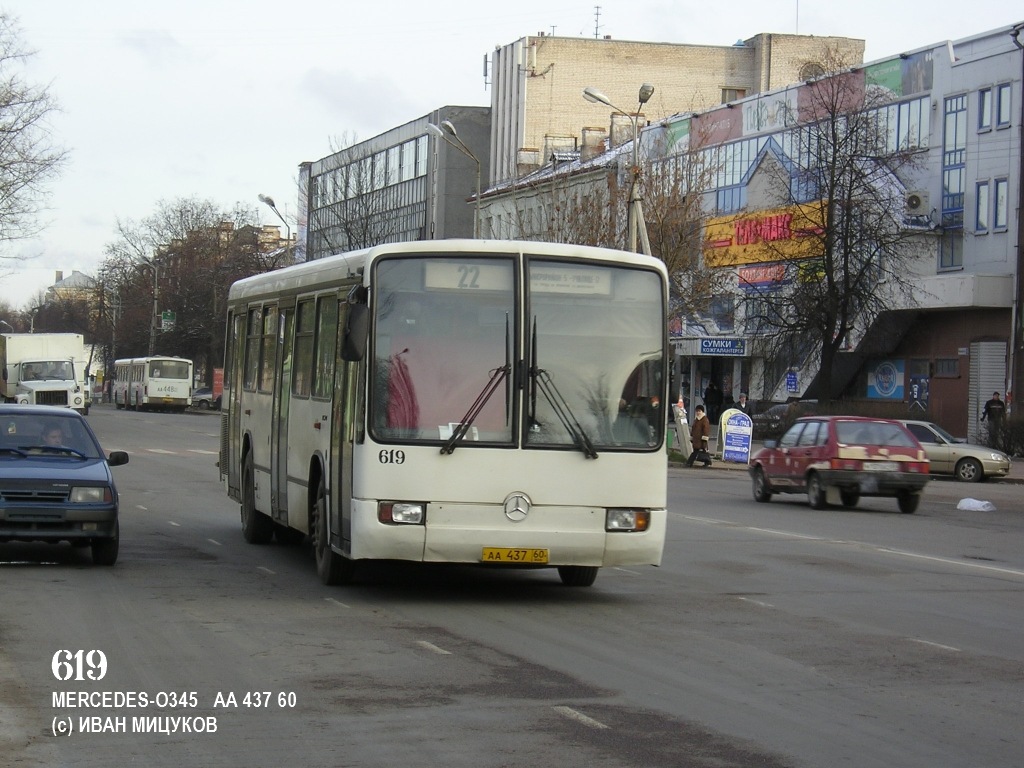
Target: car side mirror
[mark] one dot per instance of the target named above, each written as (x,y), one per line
(117,458)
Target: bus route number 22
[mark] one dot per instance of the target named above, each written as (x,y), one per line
(391,457)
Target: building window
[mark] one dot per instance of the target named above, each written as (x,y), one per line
(732,94)
(1001,203)
(985,109)
(422,155)
(946,368)
(954,145)
(1003,106)
(952,245)
(981,207)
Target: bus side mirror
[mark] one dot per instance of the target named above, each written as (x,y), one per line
(353,343)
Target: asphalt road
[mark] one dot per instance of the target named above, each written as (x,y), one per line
(772,635)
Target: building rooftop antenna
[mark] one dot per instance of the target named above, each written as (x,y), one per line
(597,22)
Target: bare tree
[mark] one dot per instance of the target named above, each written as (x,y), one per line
(28,157)
(855,257)
(182,259)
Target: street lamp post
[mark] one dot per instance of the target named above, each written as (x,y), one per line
(269,202)
(446,132)
(155,319)
(635,212)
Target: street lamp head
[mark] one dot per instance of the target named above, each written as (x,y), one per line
(435,130)
(267,200)
(646,91)
(448,127)
(594,95)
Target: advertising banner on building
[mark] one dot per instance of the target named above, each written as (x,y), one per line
(778,234)
(886,380)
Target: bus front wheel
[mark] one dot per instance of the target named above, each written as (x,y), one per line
(577,575)
(257,528)
(332,568)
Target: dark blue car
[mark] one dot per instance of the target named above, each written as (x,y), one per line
(55,481)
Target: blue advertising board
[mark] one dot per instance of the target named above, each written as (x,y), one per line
(722,346)
(737,430)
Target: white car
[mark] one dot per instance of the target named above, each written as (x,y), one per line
(950,455)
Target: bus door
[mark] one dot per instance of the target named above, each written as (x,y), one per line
(231,438)
(279,420)
(344,419)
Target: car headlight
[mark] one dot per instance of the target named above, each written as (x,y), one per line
(90,494)
(626,520)
(999,456)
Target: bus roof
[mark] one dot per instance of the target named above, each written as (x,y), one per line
(344,267)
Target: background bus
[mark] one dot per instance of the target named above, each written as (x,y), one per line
(452,401)
(153,383)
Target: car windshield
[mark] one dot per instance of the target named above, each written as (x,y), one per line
(872,433)
(943,433)
(32,434)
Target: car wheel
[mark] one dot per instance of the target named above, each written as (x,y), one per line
(815,492)
(908,502)
(762,491)
(104,551)
(968,471)
(577,575)
(204,405)
(257,528)
(331,567)
(849,498)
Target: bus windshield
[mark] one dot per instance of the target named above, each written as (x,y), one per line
(443,333)
(596,343)
(446,336)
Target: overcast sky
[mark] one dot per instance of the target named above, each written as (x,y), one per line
(222,100)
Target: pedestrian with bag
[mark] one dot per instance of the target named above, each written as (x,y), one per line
(700,438)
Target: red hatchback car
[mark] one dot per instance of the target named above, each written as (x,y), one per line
(838,459)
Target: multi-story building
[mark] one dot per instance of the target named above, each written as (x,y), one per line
(952,114)
(537,107)
(404,184)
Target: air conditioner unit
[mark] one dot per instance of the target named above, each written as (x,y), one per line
(915,203)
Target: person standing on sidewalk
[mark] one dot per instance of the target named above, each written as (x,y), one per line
(700,438)
(994,411)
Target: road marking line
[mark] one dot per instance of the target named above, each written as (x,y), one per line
(205,453)
(176,525)
(161,450)
(144,509)
(756,602)
(266,570)
(336,602)
(950,561)
(433,648)
(214,541)
(934,645)
(867,545)
(579,717)
(626,570)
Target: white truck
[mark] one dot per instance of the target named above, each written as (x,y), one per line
(45,369)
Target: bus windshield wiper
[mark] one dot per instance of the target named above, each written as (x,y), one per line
(542,380)
(498,375)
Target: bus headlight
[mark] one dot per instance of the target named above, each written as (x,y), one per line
(401,512)
(626,520)
(90,494)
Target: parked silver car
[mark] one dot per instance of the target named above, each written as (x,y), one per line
(950,455)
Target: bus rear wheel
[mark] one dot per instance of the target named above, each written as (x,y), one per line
(257,528)
(577,575)
(332,568)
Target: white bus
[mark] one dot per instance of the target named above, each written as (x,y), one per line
(153,383)
(455,401)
